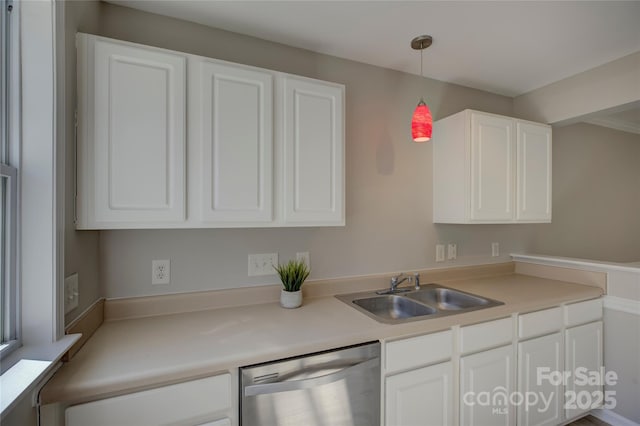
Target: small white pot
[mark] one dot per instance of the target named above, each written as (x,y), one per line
(290,299)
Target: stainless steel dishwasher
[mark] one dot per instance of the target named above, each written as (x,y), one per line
(334,388)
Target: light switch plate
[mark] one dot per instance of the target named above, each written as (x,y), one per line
(439,252)
(262,264)
(304,256)
(495,249)
(452,251)
(71,293)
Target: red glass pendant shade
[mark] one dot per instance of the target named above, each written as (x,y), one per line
(422,123)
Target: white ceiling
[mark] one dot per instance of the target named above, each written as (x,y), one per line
(505,47)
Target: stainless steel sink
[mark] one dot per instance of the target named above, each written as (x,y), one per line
(393,307)
(448,299)
(431,301)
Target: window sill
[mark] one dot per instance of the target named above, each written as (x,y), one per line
(28,366)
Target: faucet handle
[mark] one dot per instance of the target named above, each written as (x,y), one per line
(416,280)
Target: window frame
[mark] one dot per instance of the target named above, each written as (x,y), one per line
(9,117)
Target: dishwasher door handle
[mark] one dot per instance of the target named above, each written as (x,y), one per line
(268,388)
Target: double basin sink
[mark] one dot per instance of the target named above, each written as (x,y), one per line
(430,301)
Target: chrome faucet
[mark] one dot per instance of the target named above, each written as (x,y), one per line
(396,280)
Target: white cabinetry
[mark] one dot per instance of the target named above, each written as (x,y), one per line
(313,152)
(489,168)
(489,373)
(487,378)
(420,397)
(533,167)
(416,392)
(131,150)
(535,356)
(501,372)
(263,148)
(195,403)
(231,108)
(583,357)
(552,367)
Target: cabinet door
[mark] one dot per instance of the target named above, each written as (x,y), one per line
(487,379)
(583,355)
(313,152)
(533,172)
(190,403)
(420,397)
(535,357)
(234,112)
(131,150)
(492,162)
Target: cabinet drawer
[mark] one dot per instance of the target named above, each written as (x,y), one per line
(486,335)
(582,312)
(197,400)
(540,322)
(418,351)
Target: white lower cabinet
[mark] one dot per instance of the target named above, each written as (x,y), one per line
(487,379)
(420,397)
(203,402)
(542,397)
(419,380)
(501,372)
(583,357)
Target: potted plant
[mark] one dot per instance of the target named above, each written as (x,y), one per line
(292,274)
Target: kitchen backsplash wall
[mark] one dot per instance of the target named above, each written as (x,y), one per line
(596,195)
(388,177)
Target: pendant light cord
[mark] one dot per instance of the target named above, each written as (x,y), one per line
(421,76)
(421,54)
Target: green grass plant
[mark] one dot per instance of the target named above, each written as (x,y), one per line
(292,274)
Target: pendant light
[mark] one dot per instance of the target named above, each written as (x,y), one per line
(422,122)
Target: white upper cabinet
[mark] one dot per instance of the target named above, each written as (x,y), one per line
(131,135)
(313,152)
(172,140)
(489,168)
(492,155)
(534,173)
(232,108)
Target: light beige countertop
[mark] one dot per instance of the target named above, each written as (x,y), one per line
(132,354)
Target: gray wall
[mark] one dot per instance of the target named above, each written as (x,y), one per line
(388,177)
(81,248)
(388,185)
(596,195)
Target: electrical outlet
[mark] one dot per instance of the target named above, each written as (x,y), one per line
(495,249)
(262,264)
(439,252)
(71,293)
(161,271)
(452,251)
(304,256)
